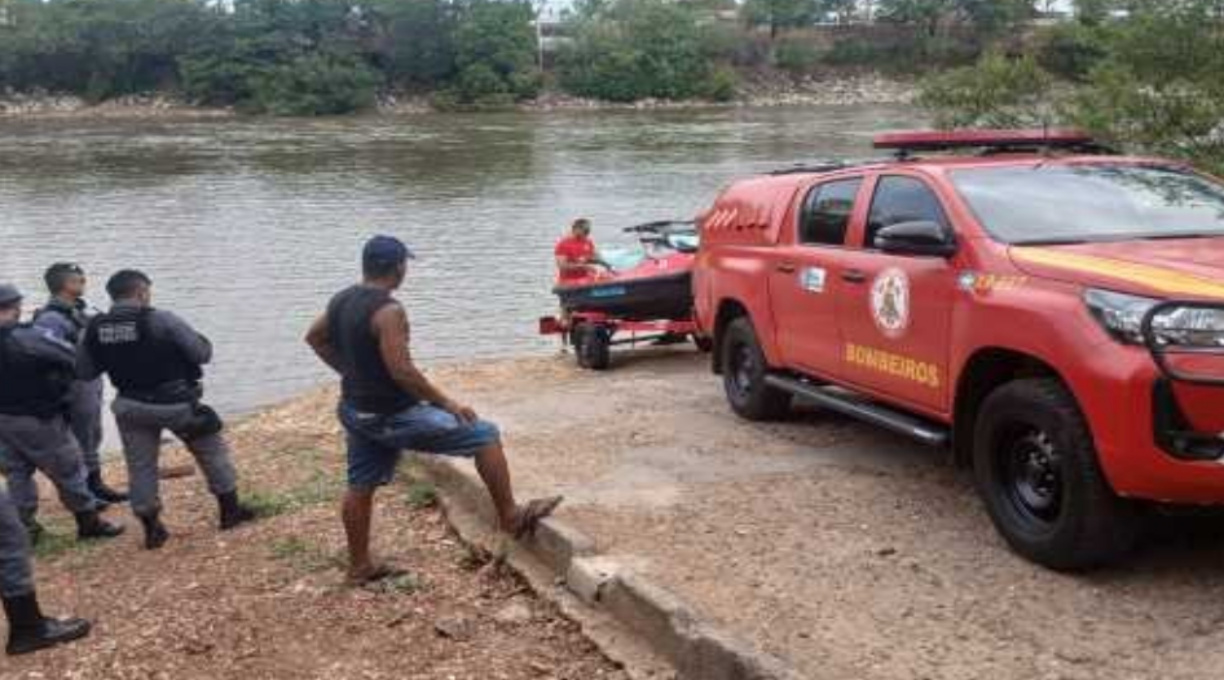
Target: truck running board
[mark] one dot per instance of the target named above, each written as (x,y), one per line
(847,404)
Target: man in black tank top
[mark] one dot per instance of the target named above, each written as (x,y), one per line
(387,405)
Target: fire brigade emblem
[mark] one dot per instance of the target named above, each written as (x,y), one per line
(890,302)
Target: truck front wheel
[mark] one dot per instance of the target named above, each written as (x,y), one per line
(744,371)
(1037,471)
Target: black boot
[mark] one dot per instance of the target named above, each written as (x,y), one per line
(233,513)
(33,529)
(103,492)
(30,631)
(91,525)
(155,532)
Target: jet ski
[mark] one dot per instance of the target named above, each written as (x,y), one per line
(653,281)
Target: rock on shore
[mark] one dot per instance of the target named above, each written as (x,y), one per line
(41,104)
(762,89)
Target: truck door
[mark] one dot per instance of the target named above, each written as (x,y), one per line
(895,311)
(804,284)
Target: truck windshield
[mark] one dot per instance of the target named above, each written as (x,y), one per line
(1068,203)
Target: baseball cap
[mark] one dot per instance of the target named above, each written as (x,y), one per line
(9,294)
(385,250)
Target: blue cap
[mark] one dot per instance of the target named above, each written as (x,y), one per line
(385,250)
(9,294)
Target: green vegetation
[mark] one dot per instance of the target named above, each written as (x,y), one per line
(627,50)
(322,487)
(1147,82)
(421,494)
(305,556)
(285,57)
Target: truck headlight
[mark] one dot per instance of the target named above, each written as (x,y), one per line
(1188,325)
(1173,325)
(1121,315)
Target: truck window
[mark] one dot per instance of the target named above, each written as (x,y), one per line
(902,199)
(826,212)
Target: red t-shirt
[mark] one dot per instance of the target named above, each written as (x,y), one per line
(573,249)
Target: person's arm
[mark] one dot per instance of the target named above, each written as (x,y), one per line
(391,327)
(54,322)
(87,367)
(196,348)
(319,339)
(46,346)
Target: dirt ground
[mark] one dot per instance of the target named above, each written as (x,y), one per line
(843,550)
(268,600)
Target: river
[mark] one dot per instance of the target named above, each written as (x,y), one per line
(247,226)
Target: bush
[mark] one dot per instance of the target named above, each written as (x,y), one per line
(495,51)
(796,56)
(997,92)
(1069,51)
(722,85)
(634,49)
(316,85)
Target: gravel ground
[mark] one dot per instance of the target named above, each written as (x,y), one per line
(268,600)
(843,550)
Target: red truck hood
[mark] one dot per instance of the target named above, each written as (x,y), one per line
(1182,268)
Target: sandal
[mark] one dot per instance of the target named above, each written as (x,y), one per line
(529,515)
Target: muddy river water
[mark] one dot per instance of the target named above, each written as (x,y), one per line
(246,226)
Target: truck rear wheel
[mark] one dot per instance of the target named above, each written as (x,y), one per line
(744,371)
(1037,471)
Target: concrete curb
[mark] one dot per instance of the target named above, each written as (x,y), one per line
(696,649)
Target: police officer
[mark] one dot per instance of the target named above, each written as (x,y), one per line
(153,359)
(36,371)
(66,315)
(29,630)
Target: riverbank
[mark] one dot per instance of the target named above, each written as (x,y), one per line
(268,600)
(830,545)
(762,90)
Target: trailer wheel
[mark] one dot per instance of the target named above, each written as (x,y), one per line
(744,371)
(593,346)
(1037,471)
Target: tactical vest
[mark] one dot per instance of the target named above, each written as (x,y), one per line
(365,381)
(74,316)
(139,362)
(28,386)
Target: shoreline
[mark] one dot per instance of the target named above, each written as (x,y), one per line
(759,92)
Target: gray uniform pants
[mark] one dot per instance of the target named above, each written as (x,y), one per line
(141,426)
(28,444)
(85,421)
(85,417)
(16,579)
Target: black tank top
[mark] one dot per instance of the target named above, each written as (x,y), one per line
(365,381)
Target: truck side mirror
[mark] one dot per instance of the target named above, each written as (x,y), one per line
(916,238)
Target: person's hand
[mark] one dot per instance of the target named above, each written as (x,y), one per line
(464,413)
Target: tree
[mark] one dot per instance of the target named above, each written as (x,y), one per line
(633,49)
(495,50)
(780,14)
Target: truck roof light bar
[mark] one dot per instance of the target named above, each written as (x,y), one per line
(990,141)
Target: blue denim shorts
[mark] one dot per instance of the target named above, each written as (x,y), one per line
(375,440)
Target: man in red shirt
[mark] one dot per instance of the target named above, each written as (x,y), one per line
(576,253)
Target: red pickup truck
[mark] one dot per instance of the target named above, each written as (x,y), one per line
(1051,312)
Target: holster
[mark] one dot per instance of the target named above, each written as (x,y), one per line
(204,422)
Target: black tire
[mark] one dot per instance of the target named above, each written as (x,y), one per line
(1037,471)
(744,371)
(592,345)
